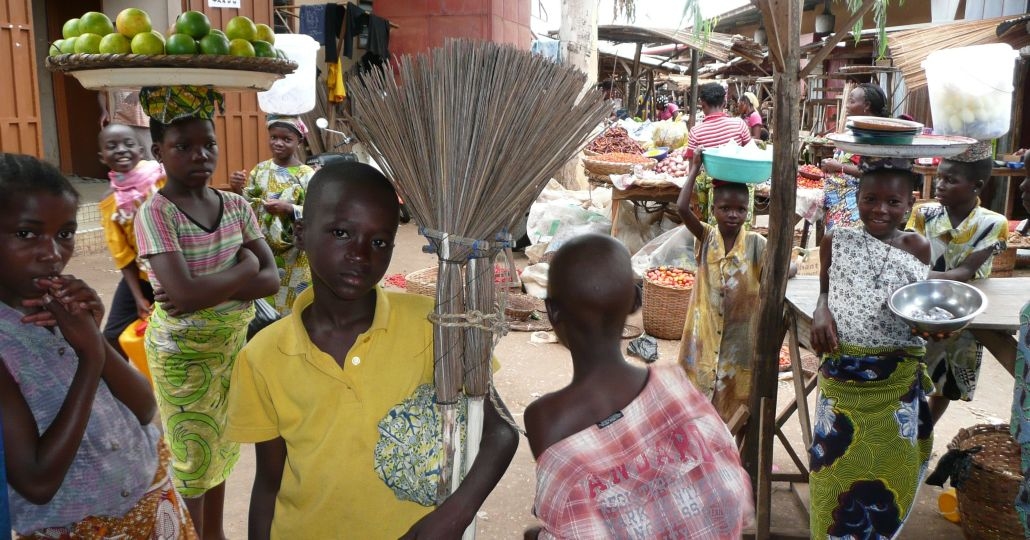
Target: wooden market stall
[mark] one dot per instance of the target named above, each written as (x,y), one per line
(721,47)
(784,306)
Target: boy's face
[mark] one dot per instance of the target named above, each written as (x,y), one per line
(120,150)
(730,209)
(953,187)
(349,239)
(883,203)
(189,152)
(37,237)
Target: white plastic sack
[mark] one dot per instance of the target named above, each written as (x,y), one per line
(534,279)
(637,226)
(673,248)
(670,134)
(295,93)
(547,218)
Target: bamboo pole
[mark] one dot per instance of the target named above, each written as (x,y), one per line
(634,86)
(695,57)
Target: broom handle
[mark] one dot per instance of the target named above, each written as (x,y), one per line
(473,438)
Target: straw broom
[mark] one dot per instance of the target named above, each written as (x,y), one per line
(471,132)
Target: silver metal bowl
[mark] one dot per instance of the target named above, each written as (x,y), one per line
(962,300)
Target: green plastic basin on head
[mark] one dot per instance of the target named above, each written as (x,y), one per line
(735,169)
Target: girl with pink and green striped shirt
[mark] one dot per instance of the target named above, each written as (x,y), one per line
(207,261)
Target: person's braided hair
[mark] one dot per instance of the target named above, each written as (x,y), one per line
(876,99)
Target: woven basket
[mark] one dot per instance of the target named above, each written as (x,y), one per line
(77,62)
(1004,263)
(609,167)
(589,153)
(665,309)
(422,282)
(519,307)
(985,500)
(764,231)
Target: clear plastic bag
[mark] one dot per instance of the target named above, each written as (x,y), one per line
(673,248)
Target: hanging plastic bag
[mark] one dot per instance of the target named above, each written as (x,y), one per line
(673,248)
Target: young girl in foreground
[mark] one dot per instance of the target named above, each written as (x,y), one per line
(873,434)
(717,343)
(207,261)
(81,451)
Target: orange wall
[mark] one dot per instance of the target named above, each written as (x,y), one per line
(425,24)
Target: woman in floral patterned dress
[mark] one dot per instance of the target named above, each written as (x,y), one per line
(873,434)
(276,189)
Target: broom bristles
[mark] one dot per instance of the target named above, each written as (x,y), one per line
(471,133)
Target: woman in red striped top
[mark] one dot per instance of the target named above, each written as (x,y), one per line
(717,129)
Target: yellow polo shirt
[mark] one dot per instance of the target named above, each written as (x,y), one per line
(120,237)
(284,386)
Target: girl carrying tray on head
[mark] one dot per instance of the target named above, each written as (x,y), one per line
(207,261)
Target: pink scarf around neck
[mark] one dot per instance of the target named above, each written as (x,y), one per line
(133,187)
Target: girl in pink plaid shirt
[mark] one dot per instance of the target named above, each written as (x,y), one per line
(625,451)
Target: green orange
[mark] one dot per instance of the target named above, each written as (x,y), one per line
(263,49)
(193,23)
(241,47)
(241,27)
(214,43)
(180,44)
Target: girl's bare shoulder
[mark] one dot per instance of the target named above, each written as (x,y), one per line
(916,244)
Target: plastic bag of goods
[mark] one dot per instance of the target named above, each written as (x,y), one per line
(971,90)
(294,93)
(670,134)
(673,248)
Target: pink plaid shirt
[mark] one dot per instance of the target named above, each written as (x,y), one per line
(666,468)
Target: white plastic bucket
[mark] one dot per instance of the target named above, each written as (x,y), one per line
(295,93)
(971,90)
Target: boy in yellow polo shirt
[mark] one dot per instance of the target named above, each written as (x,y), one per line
(322,391)
(133,180)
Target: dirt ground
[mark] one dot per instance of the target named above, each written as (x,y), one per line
(529,370)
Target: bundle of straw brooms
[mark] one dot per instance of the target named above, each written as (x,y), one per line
(471,133)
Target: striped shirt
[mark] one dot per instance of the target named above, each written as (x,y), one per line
(162,228)
(715,130)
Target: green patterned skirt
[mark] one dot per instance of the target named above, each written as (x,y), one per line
(871,443)
(191,361)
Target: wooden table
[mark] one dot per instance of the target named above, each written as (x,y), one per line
(1005,298)
(930,171)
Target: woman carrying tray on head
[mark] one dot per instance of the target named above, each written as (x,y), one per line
(276,189)
(841,184)
(717,128)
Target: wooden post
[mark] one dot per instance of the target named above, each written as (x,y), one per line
(695,57)
(785,17)
(631,104)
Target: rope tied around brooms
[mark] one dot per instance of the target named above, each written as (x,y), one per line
(490,322)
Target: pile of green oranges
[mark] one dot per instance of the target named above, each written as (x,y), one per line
(131,32)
